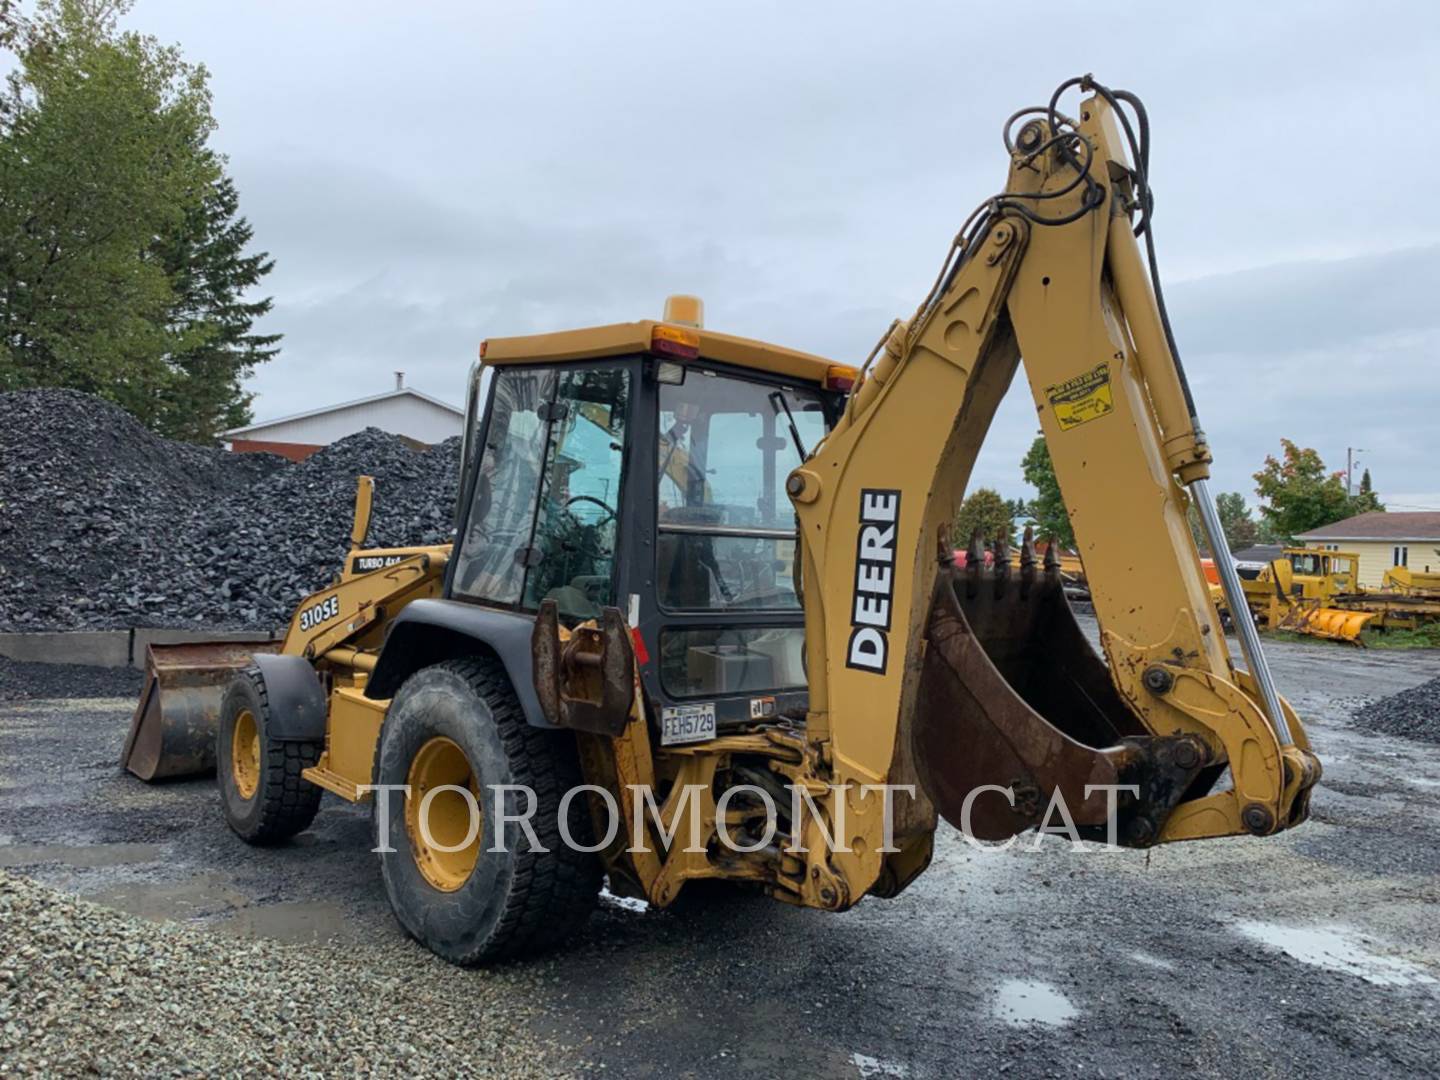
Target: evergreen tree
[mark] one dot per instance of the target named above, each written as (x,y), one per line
(986,512)
(211,276)
(1240,529)
(1366,499)
(122,265)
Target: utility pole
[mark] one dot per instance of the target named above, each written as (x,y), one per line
(1350,452)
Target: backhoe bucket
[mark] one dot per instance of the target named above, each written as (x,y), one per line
(173,730)
(1017,710)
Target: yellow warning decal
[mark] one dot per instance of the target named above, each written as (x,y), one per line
(1082,399)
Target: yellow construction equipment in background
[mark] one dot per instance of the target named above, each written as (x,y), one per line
(1294,592)
(1317,592)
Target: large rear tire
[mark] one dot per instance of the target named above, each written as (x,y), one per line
(459,723)
(265,798)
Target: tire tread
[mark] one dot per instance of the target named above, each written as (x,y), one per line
(552,892)
(288,802)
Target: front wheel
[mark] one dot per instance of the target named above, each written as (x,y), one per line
(458,726)
(265,797)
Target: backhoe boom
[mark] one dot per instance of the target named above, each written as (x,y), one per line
(982,681)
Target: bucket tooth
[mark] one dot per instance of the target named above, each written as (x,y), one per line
(1052,558)
(974,563)
(1027,562)
(1000,554)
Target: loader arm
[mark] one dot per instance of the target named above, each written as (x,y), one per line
(952,680)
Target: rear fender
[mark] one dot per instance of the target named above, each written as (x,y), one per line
(430,632)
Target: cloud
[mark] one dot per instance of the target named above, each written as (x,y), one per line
(430,175)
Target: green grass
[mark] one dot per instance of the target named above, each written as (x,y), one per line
(1424,637)
(1289,636)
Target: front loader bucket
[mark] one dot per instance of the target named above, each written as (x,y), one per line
(173,730)
(1017,710)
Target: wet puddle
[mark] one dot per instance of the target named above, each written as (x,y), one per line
(201,897)
(1020,1002)
(214,899)
(79,855)
(1337,948)
(871,1068)
(1152,961)
(298,922)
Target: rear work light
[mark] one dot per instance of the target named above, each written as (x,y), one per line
(674,341)
(841,377)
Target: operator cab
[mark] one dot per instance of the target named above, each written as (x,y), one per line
(643,466)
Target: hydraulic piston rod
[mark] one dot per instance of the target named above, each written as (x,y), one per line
(1239,609)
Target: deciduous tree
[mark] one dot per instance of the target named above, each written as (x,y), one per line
(1299,495)
(1047,509)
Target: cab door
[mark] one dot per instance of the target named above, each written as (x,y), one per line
(547,495)
(723,627)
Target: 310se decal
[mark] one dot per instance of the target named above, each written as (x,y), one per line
(316,614)
(874,580)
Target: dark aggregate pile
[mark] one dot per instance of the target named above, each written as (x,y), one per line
(104,525)
(1413,713)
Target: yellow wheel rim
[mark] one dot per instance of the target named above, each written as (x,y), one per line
(441,762)
(245,754)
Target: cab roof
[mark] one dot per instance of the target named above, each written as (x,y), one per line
(620,339)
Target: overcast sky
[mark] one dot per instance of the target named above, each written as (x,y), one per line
(430,174)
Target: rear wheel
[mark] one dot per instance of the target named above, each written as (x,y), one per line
(265,798)
(458,726)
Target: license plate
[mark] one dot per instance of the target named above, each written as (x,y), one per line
(686,724)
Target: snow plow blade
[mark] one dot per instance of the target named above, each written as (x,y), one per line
(173,730)
(1323,622)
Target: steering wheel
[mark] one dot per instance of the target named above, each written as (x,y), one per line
(609,513)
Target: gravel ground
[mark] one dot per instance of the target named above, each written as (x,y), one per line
(87,990)
(1312,953)
(20,680)
(1413,713)
(123,528)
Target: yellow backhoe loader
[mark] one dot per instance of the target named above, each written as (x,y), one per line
(701,586)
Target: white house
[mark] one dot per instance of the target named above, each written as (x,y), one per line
(1383,539)
(415,417)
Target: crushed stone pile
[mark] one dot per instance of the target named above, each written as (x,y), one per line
(1413,713)
(85,991)
(105,525)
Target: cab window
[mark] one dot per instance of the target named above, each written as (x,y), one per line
(543,521)
(573,553)
(506,488)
